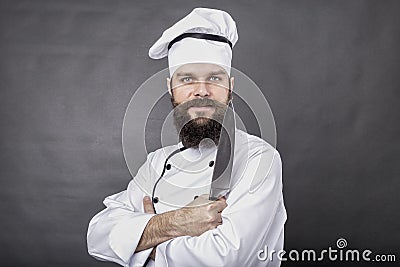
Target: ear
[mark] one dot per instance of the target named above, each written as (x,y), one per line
(169,86)
(232,81)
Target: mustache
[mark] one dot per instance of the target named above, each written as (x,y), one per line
(200,102)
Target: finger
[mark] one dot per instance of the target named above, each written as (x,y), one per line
(199,201)
(204,196)
(222,199)
(221,205)
(222,202)
(219,219)
(148,205)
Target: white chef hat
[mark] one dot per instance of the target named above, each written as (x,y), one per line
(204,36)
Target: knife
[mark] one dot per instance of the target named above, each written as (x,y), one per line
(221,177)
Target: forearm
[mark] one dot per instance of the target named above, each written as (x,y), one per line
(160,228)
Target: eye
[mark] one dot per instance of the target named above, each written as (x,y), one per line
(215,78)
(186,79)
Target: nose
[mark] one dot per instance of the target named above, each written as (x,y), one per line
(201,90)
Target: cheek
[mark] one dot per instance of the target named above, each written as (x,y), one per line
(221,95)
(180,95)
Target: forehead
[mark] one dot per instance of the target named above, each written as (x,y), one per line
(199,69)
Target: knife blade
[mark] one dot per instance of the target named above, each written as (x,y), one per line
(221,177)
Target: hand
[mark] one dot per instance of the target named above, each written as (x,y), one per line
(148,205)
(199,216)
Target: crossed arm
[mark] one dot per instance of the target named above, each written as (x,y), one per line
(122,232)
(196,218)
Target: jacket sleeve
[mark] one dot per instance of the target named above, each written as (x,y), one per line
(251,222)
(114,233)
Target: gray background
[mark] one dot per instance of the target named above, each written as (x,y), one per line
(330,70)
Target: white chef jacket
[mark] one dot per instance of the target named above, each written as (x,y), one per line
(253,220)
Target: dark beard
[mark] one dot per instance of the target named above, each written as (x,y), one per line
(193,131)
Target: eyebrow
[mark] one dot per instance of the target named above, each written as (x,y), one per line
(180,74)
(218,72)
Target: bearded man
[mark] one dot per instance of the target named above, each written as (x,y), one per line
(177,225)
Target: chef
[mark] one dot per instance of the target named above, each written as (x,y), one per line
(164,217)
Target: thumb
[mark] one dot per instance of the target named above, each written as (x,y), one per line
(148,205)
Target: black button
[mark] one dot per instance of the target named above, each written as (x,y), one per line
(211,163)
(168,166)
(155,200)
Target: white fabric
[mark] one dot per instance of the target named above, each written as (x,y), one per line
(251,221)
(191,50)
